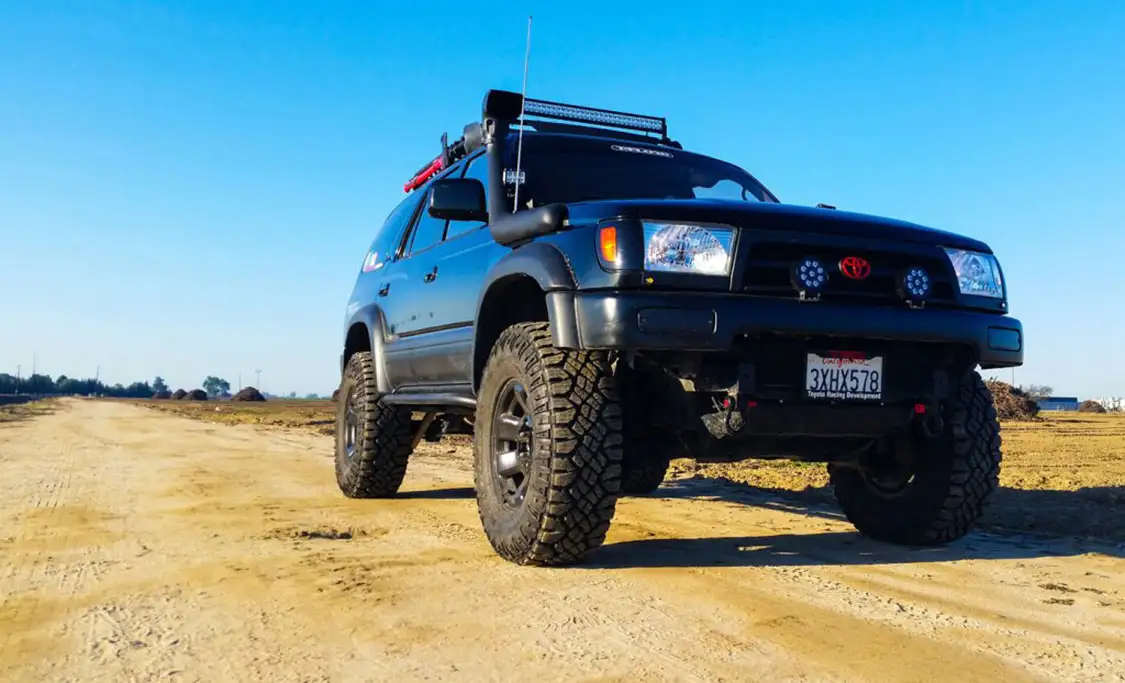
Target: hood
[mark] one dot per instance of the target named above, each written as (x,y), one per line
(772,216)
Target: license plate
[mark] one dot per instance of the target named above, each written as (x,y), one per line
(844,375)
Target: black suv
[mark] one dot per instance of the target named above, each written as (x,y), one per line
(590,300)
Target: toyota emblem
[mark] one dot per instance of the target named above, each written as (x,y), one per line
(855,267)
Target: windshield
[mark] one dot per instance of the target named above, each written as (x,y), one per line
(559,169)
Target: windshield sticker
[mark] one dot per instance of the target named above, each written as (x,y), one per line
(641,150)
(510,177)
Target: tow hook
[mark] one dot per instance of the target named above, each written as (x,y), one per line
(932,424)
(739,400)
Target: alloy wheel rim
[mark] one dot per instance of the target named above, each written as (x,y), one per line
(351,425)
(511,443)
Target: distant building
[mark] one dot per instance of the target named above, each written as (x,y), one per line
(1058,403)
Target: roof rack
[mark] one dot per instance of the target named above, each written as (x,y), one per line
(543,115)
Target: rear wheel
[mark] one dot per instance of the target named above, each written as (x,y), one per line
(644,467)
(547,448)
(373,440)
(648,449)
(944,492)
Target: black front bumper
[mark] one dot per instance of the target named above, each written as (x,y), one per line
(692,321)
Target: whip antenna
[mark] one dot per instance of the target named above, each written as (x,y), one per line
(523,99)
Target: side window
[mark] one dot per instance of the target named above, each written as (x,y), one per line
(478,169)
(387,236)
(428,230)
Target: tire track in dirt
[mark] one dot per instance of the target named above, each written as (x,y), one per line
(32,514)
(228,554)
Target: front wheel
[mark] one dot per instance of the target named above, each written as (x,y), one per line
(547,448)
(373,439)
(943,495)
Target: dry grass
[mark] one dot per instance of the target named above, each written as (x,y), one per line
(315,416)
(1063,473)
(1059,452)
(16,412)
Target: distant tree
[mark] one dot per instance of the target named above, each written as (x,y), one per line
(37,384)
(292,394)
(311,397)
(215,386)
(66,385)
(159,384)
(138,390)
(1038,392)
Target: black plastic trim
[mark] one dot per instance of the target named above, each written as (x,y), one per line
(510,228)
(611,320)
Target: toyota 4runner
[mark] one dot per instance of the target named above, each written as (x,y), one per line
(590,300)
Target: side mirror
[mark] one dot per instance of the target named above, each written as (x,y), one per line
(458,199)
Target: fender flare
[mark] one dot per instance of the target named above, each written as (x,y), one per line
(541,261)
(371,316)
(548,266)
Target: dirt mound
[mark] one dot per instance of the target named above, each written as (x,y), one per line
(1011,402)
(197,395)
(162,395)
(1091,407)
(248,394)
(179,395)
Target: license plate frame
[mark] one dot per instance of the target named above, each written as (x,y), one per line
(848,376)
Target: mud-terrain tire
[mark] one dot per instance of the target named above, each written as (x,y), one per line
(953,479)
(647,449)
(643,468)
(555,414)
(373,439)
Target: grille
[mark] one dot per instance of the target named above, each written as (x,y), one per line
(768,267)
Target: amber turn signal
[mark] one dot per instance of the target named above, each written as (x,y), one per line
(607,239)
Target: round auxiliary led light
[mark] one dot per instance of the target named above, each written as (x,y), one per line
(809,275)
(914,284)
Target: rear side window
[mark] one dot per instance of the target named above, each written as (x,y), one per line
(389,233)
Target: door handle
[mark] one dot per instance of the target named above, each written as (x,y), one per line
(431,276)
(385,289)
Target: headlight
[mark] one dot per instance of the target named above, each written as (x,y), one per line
(977,273)
(688,248)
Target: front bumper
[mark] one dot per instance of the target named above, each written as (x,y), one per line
(693,321)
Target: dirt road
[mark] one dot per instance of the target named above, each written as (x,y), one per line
(140,546)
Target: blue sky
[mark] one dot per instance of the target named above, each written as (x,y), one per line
(188,188)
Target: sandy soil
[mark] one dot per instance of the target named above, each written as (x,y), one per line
(136,545)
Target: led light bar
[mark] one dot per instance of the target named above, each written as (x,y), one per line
(604,117)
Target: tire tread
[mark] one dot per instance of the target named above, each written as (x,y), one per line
(975,457)
(578,421)
(385,445)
